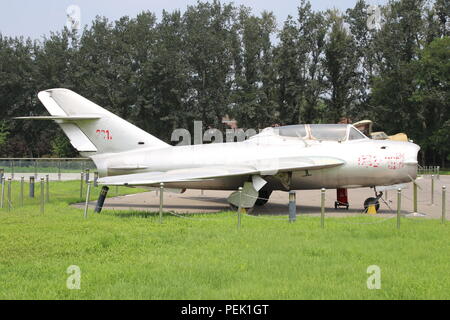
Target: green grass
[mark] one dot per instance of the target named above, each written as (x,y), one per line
(129,255)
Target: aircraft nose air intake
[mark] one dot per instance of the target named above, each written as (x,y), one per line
(411,155)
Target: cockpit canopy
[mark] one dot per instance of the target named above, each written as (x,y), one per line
(321,132)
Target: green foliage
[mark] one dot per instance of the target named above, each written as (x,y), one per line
(340,67)
(219,59)
(61,147)
(432,95)
(3,133)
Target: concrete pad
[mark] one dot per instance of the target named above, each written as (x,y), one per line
(308,202)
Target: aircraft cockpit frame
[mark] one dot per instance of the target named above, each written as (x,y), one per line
(321,132)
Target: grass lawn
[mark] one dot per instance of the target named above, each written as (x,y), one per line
(129,255)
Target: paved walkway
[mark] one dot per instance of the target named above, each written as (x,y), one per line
(308,202)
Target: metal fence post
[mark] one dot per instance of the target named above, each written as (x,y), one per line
(87,175)
(12,169)
(21,190)
(443,203)
(414,197)
(31,193)
(432,189)
(2,172)
(3,193)
(88,193)
(9,194)
(322,208)
(292,206)
(161,199)
(239,208)
(47,183)
(81,184)
(96,179)
(59,170)
(399,205)
(42,195)
(35,169)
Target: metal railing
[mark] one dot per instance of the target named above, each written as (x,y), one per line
(428,170)
(37,166)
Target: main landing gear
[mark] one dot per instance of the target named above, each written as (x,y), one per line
(342,199)
(263,197)
(249,202)
(373,200)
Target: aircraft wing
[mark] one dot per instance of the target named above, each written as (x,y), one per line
(259,167)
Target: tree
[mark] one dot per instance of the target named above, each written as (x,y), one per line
(398,44)
(340,68)
(209,38)
(61,147)
(3,133)
(432,95)
(366,52)
(299,66)
(164,80)
(254,89)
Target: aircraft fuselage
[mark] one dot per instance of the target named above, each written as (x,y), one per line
(367,163)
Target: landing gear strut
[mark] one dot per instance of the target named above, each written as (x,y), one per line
(373,200)
(342,199)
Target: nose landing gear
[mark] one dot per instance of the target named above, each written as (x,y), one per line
(373,200)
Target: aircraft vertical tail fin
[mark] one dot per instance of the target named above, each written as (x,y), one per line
(92,128)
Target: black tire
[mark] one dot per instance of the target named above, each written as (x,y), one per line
(263,197)
(370,201)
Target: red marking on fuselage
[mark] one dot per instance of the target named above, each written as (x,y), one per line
(369,160)
(105,133)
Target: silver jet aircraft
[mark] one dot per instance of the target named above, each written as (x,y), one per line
(298,157)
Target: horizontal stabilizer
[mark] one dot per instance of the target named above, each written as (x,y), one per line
(129,167)
(64,118)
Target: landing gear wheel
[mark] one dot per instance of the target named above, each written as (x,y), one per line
(263,197)
(370,201)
